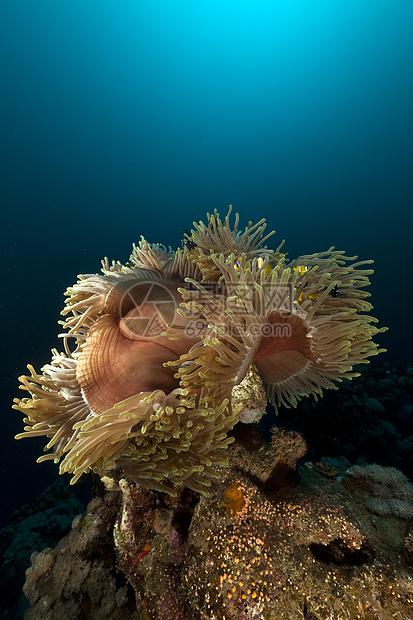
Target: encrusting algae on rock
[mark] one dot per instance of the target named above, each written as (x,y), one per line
(310,550)
(234,499)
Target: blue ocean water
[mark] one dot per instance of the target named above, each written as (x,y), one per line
(137,117)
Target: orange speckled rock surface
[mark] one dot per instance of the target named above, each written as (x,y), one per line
(313,548)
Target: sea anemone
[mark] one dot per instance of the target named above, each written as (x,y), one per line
(159,344)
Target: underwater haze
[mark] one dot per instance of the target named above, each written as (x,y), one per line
(129,118)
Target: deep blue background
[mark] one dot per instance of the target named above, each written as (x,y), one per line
(136,117)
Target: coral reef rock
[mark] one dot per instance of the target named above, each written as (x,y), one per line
(79,578)
(314,547)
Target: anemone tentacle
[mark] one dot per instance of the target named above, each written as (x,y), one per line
(160,343)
